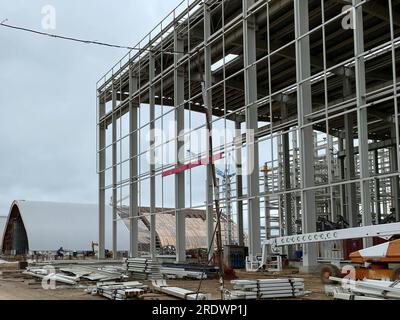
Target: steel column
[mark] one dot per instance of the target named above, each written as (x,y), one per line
(362,117)
(377,188)
(208,102)
(239,181)
(152,106)
(287,198)
(250,86)
(304,105)
(394,182)
(133,167)
(352,211)
(179,96)
(102,178)
(114,173)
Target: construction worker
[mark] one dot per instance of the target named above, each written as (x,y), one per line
(60,253)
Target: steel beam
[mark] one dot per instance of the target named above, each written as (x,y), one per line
(179,96)
(250,85)
(133,167)
(304,106)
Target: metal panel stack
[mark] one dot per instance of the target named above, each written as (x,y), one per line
(181,273)
(210,272)
(266,289)
(143,269)
(119,290)
(366,289)
(162,286)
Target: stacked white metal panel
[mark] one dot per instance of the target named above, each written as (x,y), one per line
(120,290)
(93,273)
(181,273)
(367,290)
(266,289)
(144,269)
(162,286)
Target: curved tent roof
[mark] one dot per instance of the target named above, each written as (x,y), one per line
(47,226)
(3,221)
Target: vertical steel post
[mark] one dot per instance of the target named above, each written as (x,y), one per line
(377,188)
(114,173)
(287,202)
(179,98)
(102,175)
(208,102)
(239,181)
(352,210)
(362,116)
(250,87)
(394,181)
(133,166)
(304,105)
(152,106)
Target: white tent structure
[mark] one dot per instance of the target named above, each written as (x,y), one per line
(47,226)
(3,221)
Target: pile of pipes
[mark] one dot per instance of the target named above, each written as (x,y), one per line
(181,273)
(366,289)
(162,286)
(266,289)
(119,290)
(143,269)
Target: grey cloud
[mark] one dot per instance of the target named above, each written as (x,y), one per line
(47,93)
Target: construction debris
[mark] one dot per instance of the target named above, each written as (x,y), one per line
(266,289)
(50,275)
(143,269)
(119,290)
(73,274)
(162,286)
(366,289)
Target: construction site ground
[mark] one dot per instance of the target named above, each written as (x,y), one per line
(16,286)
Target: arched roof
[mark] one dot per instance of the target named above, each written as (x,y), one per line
(195,226)
(3,221)
(51,225)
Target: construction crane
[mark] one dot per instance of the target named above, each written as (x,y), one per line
(377,262)
(226,188)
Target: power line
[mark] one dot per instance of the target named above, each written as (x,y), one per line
(4,24)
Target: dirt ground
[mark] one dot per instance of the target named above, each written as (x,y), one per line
(15,288)
(30,290)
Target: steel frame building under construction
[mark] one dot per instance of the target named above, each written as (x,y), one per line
(314,80)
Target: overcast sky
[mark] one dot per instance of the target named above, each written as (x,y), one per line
(48,97)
